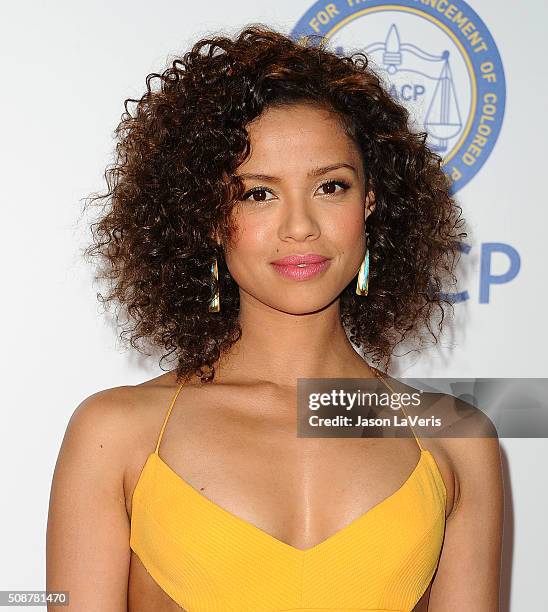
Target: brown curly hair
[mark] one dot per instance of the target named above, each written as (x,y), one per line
(172,185)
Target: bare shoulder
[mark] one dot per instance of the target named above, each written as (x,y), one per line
(466,444)
(467,449)
(112,421)
(473,538)
(88,524)
(100,422)
(445,417)
(470,438)
(463,440)
(465,431)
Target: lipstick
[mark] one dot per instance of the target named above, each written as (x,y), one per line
(301,267)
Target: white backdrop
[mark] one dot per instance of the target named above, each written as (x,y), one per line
(67,67)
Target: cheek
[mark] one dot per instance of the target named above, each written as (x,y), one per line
(248,246)
(350,229)
(347,232)
(348,236)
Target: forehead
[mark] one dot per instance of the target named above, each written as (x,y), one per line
(302,133)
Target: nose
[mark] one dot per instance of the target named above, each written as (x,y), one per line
(298,221)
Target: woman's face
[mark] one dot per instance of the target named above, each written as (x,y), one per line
(305,194)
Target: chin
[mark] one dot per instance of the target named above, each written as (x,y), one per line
(301,306)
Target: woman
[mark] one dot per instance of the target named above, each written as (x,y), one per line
(271,211)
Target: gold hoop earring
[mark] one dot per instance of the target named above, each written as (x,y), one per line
(363,275)
(215,303)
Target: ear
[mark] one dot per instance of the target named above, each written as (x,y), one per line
(369,203)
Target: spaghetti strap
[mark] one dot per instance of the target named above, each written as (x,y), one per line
(167,417)
(381,377)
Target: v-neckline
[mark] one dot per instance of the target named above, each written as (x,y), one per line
(258,532)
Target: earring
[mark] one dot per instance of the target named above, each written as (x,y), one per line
(215,303)
(363,274)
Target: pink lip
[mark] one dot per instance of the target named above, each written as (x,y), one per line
(293,260)
(288,266)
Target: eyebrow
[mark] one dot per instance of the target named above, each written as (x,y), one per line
(313,173)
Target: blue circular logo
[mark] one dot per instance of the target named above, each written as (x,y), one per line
(437,58)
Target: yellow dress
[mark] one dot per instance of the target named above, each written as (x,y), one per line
(210,560)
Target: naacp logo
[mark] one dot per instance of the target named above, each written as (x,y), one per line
(437,58)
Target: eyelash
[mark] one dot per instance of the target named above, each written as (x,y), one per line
(257,189)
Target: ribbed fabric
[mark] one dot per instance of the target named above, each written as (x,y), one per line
(210,560)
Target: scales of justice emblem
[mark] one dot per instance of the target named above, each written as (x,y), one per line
(442,65)
(424,81)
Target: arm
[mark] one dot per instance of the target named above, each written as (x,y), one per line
(468,574)
(87,541)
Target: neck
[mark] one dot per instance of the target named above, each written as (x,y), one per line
(281,347)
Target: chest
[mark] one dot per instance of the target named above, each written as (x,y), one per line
(262,472)
(299,522)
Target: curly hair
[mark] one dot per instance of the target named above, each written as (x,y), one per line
(172,185)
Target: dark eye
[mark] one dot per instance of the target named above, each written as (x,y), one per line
(254,191)
(331,185)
